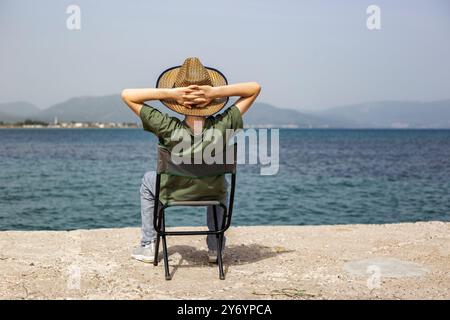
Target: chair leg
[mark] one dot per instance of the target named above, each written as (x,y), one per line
(166,257)
(155,261)
(219,240)
(158,238)
(216,224)
(219,257)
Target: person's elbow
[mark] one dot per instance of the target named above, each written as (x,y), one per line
(125,95)
(256,88)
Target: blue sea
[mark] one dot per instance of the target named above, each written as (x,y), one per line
(60,179)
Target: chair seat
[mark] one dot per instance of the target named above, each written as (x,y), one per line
(194,203)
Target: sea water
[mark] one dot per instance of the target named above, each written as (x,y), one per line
(61,179)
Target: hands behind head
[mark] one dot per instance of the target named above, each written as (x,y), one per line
(193,96)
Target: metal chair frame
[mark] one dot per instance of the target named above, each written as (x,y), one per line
(166,166)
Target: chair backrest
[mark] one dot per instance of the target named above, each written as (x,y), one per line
(167,165)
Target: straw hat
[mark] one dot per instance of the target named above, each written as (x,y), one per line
(192,72)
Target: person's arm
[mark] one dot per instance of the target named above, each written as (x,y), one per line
(247,91)
(135,98)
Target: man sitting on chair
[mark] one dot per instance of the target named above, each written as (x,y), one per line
(197,92)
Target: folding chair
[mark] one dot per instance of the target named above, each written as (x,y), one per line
(165,165)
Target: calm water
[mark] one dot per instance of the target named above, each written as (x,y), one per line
(90,178)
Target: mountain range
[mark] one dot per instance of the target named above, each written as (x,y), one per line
(382,114)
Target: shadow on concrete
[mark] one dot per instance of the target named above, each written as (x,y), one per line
(234,255)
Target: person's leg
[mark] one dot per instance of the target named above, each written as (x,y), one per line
(148,233)
(146,250)
(211,240)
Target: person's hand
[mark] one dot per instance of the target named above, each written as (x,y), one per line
(193,96)
(197,96)
(183,96)
(204,95)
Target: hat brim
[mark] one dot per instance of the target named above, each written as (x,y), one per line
(167,80)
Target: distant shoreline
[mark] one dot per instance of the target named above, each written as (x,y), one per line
(245,127)
(76,125)
(19,127)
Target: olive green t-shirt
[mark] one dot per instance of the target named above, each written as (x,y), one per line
(169,131)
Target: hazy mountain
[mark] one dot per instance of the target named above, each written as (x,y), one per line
(105,109)
(16,111)
(385,114)
(5,117)
(266,114)
(394,114)
(112,109)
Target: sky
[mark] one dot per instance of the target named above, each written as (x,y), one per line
(307,55)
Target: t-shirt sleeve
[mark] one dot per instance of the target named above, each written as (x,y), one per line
(231,118)
(153,120)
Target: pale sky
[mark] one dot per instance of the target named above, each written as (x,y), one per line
(307,55)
